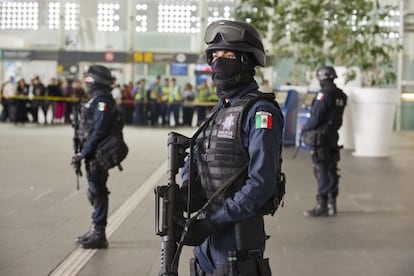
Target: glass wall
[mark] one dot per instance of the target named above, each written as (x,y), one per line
(118,25)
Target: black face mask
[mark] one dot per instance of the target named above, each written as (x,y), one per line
(225,71)
(228,74)
(90,86)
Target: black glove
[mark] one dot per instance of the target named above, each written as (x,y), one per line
(76,163)
(76,158)
(198,231)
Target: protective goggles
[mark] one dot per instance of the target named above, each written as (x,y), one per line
(229,33)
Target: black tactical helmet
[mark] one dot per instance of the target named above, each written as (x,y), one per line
(326,73)
(236,36)
(100,74)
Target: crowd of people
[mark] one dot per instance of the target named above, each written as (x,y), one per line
(22,102)
(163,100)
(142,103)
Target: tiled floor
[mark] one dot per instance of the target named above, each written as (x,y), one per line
(41,212)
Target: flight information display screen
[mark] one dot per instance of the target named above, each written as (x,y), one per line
(179,69)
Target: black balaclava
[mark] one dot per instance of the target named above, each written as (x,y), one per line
(326,83)
(92,86)
(229,74)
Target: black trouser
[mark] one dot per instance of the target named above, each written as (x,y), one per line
(188,115)
(325,160)
(97,177)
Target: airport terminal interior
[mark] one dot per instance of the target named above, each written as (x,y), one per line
(42,210)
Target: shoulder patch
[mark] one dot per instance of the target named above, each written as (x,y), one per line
(102,106)
(263,119)
(320,96)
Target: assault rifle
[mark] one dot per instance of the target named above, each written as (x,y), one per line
(77,145)
(167,203)
(297,149)
(166,206)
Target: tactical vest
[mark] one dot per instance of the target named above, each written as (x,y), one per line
(220,149)
(338,107)
(86,121)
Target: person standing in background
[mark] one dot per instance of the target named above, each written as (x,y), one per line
(140,101)
(68,93)
(96,117)
(8,94)
(127,103)
(175,101)
(165,104)
(39,92)
(188,104)
(203,96)
(117,94)
(326,119)
(154,101)
(21,108)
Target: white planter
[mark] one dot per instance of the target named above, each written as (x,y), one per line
(373,112)
(346,132)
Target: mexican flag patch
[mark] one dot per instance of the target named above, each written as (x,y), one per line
(263,120)
(101,106)
(319,97)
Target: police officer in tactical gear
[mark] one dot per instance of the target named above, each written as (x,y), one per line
(326,118)
(237,157)
(96,116)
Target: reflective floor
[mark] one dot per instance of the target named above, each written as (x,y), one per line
(42,212)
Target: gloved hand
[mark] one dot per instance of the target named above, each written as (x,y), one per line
(76,158)
(76,163)
(198,231)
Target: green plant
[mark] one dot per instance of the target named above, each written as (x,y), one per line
(357,33)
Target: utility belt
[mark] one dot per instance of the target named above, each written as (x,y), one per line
(315,138)
(326,154)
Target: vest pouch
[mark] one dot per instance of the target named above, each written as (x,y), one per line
(321,154)
(314,138)
(254,267)
(249,234)
(111,151)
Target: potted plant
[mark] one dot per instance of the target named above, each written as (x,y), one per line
(373,104)
(359,35)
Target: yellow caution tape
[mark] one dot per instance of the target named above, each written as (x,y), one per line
(77,99)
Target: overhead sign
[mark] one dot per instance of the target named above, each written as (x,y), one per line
(143,57)
(150,57)
(16,54)
(71,57)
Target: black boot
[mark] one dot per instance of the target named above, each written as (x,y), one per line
(85,236)
(96,240)
(331,206)
(321,208)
